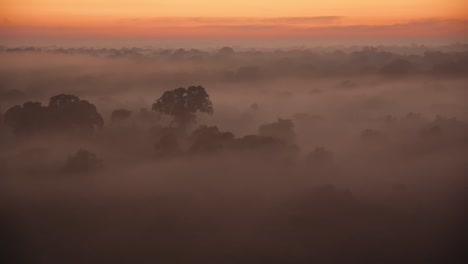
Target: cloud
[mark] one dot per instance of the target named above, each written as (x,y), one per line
(423,27)
(301,20)
(327,26)
(210,21)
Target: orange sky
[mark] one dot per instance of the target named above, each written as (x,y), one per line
(242,18)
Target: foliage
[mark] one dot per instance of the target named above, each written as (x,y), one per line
(183,103)
(68,111)
(208,139)
(64,112)
(27,119)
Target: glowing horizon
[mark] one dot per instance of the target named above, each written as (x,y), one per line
(209,18)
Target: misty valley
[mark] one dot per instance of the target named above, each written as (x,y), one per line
(331,154)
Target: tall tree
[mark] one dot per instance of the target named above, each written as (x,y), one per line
(183,103)
(64,112)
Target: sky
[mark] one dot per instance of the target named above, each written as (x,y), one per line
(35,20)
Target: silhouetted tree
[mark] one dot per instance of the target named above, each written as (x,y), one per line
(61,100)
(183,103)
(27,119)
(82,161)
(208,139)
(69,112)
(63,112)
(225,51)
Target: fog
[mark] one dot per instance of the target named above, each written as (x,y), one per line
(329,154)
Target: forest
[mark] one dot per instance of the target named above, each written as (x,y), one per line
(354,154)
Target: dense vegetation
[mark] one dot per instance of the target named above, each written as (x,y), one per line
(297,156)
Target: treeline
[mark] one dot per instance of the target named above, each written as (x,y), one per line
(68,114)
(304,63)
(408,136)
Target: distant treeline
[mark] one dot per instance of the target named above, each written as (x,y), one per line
(320,61)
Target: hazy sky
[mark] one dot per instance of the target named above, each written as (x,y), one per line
(261,8)
(42,19)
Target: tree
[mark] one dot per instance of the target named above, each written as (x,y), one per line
(209,139)
(69,112)
(225,51)
(64,112)
(183,103)
(61,100)
(27,119)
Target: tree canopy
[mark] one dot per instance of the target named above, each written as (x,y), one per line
(64,112)
(182,104)
(208,139)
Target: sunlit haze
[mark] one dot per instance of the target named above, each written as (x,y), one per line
(333,21)
(233,132)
